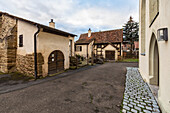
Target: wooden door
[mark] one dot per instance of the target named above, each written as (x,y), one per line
(55,62)
(110,55)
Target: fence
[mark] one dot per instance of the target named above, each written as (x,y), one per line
(129,55)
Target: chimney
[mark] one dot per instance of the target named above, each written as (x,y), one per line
(89,33)
(52,24)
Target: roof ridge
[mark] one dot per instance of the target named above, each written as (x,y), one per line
(34,23)
(101,31)
(108,30)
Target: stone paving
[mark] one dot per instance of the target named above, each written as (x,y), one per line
(138,96)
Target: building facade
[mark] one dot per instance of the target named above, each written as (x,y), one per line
(154,58)
(32,48)
(103,44)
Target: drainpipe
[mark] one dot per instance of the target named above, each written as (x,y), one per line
(87,55)
(35,51)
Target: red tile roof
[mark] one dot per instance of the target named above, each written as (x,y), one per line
(111,36)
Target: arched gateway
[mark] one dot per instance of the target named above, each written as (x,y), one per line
(55,62)
(154,61)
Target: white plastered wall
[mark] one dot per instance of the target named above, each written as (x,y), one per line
(47,43)
(162,21)
(83,52)
(27,30)
(73,52)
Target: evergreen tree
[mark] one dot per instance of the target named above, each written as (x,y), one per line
(130,32)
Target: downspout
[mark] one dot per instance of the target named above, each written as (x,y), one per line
(120,49)
(87,55)
(35,51)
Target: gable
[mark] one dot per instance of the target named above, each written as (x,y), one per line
(110,47)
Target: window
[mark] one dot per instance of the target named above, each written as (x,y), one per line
(78,48)
(99,46)
(20,40)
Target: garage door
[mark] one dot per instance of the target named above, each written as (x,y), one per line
(110,55)
(55,62)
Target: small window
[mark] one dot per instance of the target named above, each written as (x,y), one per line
(20,40)
(78,48)
(99,46)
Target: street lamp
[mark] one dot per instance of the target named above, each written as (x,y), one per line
(163,34)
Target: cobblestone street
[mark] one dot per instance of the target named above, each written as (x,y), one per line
(138,96)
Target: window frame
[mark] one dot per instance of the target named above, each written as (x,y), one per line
(21,40)
(78,48)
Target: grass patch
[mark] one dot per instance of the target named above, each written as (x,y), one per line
(129,60)
(84,83)
(55,74)
(18,76)
(2,73)
(111,97)
(73,67)
(91,98)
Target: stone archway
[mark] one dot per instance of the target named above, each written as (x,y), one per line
(55,62)
(154,61)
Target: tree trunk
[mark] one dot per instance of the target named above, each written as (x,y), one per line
(131,49)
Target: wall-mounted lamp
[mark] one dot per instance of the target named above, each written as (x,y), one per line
(163,34)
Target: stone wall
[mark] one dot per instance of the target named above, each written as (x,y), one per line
(8,43)
(25,64)
(10,61)
(40,62)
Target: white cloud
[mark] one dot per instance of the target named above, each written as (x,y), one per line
(73,15)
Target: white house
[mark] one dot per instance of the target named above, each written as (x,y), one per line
(32,48)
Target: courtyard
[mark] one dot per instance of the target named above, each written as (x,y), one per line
(95,90)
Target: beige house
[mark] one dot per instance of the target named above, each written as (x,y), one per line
(32,48)
(154,45)
(105,44)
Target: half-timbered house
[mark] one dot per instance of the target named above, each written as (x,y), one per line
(103,44)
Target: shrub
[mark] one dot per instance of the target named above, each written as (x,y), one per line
(72,61)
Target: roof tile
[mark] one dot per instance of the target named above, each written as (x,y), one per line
(111,36)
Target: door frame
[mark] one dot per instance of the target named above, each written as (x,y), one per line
(56,60)
(110,51)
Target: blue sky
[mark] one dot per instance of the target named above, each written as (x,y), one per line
(75,16)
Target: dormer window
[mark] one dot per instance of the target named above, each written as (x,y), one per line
(20,40)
